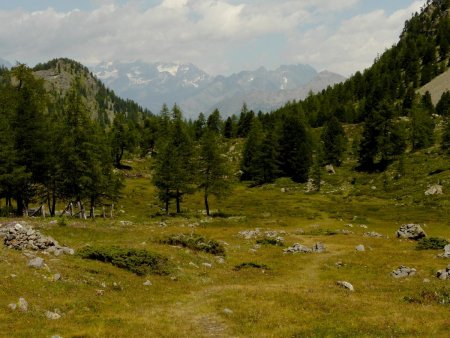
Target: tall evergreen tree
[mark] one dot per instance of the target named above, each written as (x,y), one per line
(295,148)
(333,142)
(251,152)
(213,169)
(266,163)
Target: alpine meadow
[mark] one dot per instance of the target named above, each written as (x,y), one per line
(328,216)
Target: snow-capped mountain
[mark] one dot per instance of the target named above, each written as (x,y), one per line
(153,84)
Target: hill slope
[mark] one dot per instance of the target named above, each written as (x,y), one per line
(437,86)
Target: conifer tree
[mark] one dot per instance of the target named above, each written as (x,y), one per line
(267,164)
(333,142)
(228,128)
(251,152)
(295,148)
(213,169)
(443,106)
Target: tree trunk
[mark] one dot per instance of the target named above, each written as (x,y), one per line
(178,202)
(20,206)
(92,209)
(206,202)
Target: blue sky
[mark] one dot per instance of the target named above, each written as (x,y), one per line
(219,36)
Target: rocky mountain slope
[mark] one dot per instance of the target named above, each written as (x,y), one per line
(437,86)
(153,84)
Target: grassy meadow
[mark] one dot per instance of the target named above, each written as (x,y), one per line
(274,294)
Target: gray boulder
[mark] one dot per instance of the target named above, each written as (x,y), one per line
(37,263)
(297,248)
(444,274)
(318,247)
(446,253)
(411,231)
(23,305)
(435,189)
(403,271)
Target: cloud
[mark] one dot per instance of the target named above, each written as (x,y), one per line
(354,44)
(204,32)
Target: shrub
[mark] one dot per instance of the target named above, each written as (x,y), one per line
(251,265)
(196,242)
(431,243)
(270,241)
(427,296)
(140,262)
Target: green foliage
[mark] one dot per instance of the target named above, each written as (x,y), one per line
(213,170)
(445,143)
(431,243)
(333,142)
(443,106)
(251,265)
(270,241)
(295,153)
(140,262)
(196,242)
(251,151)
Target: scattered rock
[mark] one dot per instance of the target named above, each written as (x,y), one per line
(345,232)
(52,315)
(435,189)
(345,285)
(446,253)
(318,247)
(250,234)
(297,248)
(23,305)
(444,273)
(426,280)
(57,277)
(373,234)
(147,283)
(207,265)
(339,264)
(360,248)
(37,263)
(194,265)
(363,226)
(411,231)
(100,292)
(330,169)
(12,306)
(220,260)
(403,271)
(126,223)
(283,190)
(227,311)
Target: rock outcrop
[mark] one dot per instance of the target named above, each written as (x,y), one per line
(411,231)
(403,271)
(21,237)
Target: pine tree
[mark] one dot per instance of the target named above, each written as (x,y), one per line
(228,128)
(445,143)
(422,129)
(333,142)
(443,106)
(251,152)
(295,148)
(123,136)
(266,163)
(214,122)
(199,126)
(213,169)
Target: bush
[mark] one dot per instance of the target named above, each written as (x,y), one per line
(251,265)
(428,296)
(270,241)
(140,262)
(431,243)
(196,242)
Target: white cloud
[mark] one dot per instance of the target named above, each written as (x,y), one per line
(203,32)
(355,43)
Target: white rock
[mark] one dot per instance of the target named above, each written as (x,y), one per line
(148,283)
(12,306)
(52,315)
(435,189)
(345,285)
(208,265)
(360,248)
(23,305)
(227,311)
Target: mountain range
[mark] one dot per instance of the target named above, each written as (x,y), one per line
(153,84)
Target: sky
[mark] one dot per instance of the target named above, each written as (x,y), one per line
(218,36)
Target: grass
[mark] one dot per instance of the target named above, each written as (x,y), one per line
(431,243)
(297,297)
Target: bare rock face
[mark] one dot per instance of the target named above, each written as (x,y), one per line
(411,231)
(403,271)
(446,253)
(36,263)
(330,169)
